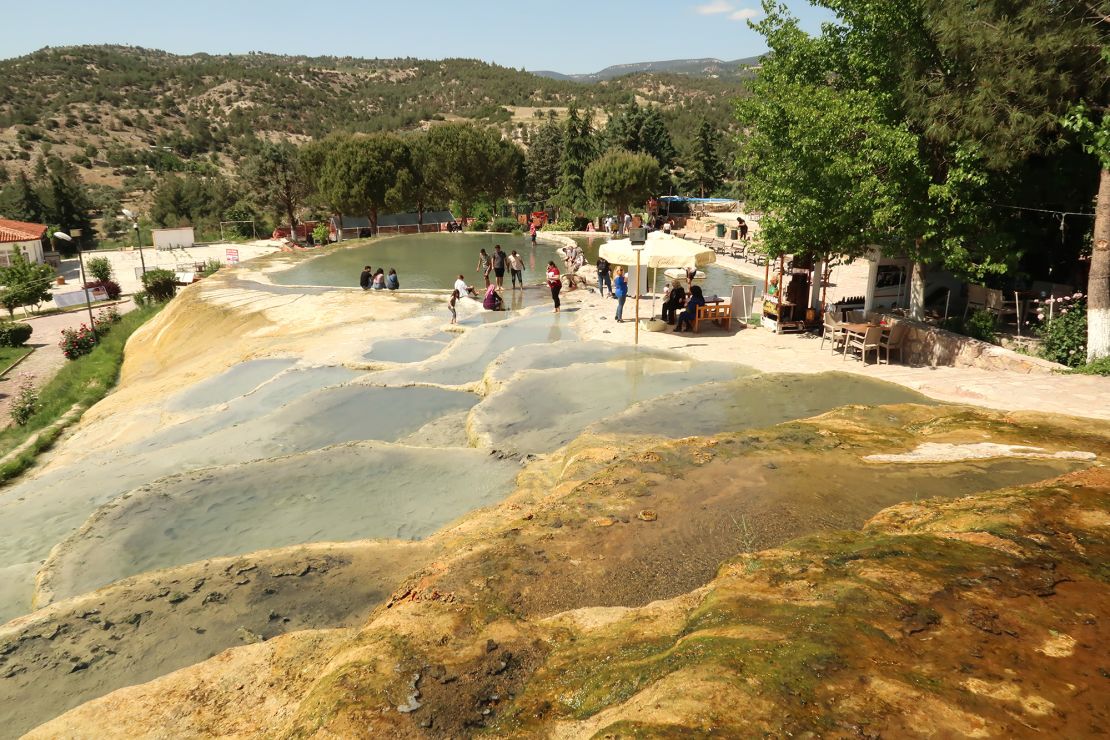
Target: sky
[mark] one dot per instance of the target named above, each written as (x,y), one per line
(569,36)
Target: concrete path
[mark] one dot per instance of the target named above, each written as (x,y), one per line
(1074,395)
(47,358)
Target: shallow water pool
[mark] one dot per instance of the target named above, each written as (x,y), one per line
(423,261)
(359,491)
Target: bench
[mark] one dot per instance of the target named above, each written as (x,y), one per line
(721,313)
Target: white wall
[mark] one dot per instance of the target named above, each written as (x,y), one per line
(31,249)
(174,238)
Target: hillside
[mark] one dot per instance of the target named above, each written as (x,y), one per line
(706,68)
(125,112)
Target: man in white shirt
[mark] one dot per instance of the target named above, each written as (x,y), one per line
(463,288)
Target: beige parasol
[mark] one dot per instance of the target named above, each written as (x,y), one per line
(662,251)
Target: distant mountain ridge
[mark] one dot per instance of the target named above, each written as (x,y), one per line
(707,67)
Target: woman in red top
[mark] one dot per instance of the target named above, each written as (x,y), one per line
(555,282)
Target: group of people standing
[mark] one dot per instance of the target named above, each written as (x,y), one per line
(370,280)
(498,262)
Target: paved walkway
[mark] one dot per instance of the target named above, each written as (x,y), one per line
(47,358)
(1073,395)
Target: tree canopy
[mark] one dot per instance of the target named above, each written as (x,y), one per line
(620,179)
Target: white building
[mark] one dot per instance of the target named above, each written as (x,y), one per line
(23,237)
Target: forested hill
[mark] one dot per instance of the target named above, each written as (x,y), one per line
(711,68)
(89,104)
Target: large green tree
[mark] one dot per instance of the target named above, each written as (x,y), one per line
(619,179)
(578,151)
(465,163)
(544,161)
(705,170)
(1002,76)
(20,201)
(365,174)
(925,198)
(276,179)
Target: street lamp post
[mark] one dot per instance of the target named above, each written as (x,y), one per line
(81,261)
(138,236)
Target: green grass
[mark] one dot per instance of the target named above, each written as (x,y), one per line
(8,355)
(1100,366)
(83,381)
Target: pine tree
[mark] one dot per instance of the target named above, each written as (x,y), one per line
(706,167)
(20,201)
(655,139)
(545,160)
(577,153)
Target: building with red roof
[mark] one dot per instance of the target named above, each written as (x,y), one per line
(20,236)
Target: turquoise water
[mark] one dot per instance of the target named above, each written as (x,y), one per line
(423,261)
(434,261)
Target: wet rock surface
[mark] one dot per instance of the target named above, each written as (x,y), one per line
(979,615)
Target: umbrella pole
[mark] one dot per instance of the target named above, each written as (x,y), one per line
(637,339)
(654,285)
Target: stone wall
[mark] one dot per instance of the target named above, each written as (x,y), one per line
(929,346)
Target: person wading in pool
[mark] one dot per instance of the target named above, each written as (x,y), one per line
(499,266)
(451,303)
(365,278)
(516,268)
(555,282)
(484,265)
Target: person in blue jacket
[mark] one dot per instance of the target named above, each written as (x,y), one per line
(620,290)
(686,318)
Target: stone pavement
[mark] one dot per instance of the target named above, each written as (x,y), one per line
(1074,395)
(47,358)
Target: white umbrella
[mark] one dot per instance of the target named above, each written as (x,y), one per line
(660,251)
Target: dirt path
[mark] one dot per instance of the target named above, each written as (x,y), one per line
(47,358)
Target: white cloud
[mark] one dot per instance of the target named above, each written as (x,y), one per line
(745,14)
(714,8)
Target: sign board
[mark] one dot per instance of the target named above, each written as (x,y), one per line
(232,256)
(77,297)
(743,300)
(638,235)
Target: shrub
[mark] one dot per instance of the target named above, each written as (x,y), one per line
(142,299)
(105,319)
(100,268)
(321,234)
(505,225)
(26,400)
(160,284)
(111,287)
(77,342)
(14,335)
(211,267)
(1101,366)
(559,226)
(1064,337)
(982,325)
(477,226)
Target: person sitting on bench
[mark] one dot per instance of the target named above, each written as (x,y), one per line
(686,318)
(673,300)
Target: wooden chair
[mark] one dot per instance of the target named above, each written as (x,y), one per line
(865,343)
(894,340)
